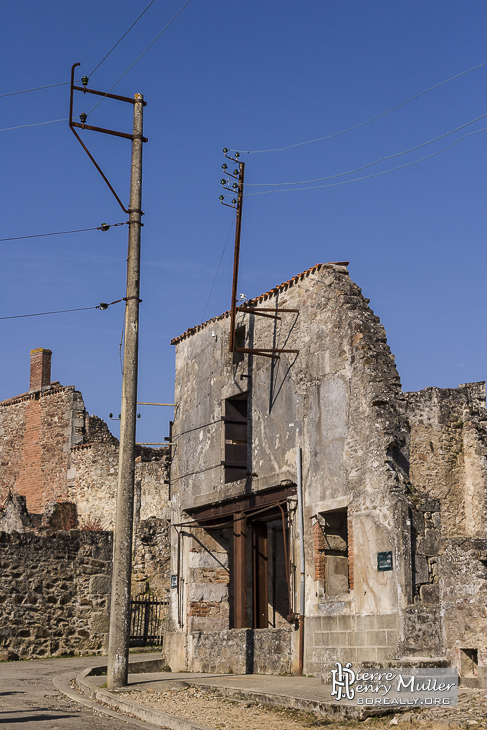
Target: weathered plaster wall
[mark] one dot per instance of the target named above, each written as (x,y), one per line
(54,592)
(52,450)
(408,472)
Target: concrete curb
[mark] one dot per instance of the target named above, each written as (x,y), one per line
(142,712)
(62,682)
(328,710)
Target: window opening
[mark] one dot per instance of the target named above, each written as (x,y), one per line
(238,355)
(235,462)
(469,662)
(331,552)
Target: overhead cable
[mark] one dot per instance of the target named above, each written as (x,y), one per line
(375,174)
(37,88)
(370,164)
(103,227)
(372,119)
(37,124)
(65,83)
(102,306)
(122,37)
(143,52)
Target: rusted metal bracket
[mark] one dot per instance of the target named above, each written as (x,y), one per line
(114,133)
(259,311)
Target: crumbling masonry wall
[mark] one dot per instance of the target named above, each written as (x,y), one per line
(448,475)
(37,432)
(54,593)
(93,482)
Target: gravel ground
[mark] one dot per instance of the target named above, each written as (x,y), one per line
(207,708)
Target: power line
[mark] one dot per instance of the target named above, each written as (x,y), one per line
(372,119)
(122,37)
(65,83)
(102,306)
(139,57)
(103,227)
(217,270)
(376,162)
(37,88)
(375,174)
(37,124)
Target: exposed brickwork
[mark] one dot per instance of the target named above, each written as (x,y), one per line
(37,432)
(52,449)
(319,551)
(40,368)
(350,549)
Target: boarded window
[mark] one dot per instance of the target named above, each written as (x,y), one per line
(235,461)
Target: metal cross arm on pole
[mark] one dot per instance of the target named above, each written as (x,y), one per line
(82,125)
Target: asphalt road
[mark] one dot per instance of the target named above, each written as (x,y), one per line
(29,699)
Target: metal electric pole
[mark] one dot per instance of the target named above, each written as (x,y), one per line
(118,644)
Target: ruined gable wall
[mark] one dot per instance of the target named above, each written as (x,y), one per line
(340,398)
(37,432)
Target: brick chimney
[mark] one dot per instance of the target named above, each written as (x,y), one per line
(40,368)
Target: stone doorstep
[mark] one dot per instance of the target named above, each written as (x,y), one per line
(326,709)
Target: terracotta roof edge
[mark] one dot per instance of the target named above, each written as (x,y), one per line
(285,284)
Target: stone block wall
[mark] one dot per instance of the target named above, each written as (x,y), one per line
(54,592)
(349,638)
(208,581)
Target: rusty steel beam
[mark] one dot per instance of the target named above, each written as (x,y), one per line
(113,132)
(244,308)
(240,571)
(85,90)
(242,504)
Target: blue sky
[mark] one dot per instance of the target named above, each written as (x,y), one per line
(251,76)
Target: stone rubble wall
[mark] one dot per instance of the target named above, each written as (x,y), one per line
(448,454)
(54,593)
(151,565)
(463,590)
(93,481)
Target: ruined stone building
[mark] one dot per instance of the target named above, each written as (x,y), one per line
(53,452)
(393,484)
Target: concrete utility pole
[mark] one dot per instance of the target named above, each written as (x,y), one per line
(118,645)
